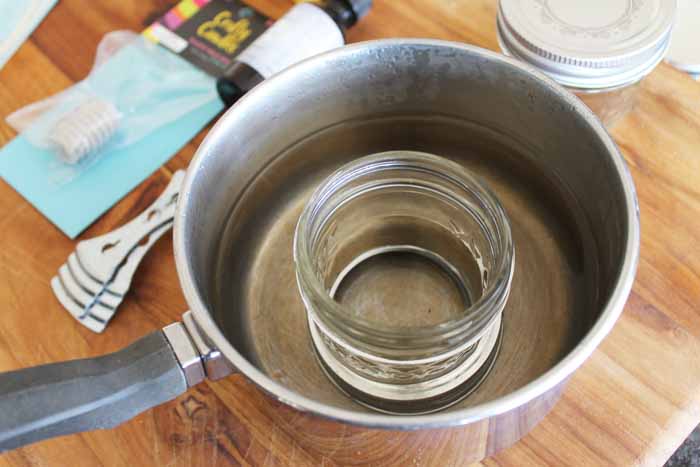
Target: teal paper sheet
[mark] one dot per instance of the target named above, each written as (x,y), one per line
(18,18)
(73,206)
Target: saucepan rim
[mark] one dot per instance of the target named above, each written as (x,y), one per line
(554,376)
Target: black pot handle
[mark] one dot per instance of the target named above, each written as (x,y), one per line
(80,395)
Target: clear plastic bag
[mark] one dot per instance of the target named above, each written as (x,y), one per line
(113,107)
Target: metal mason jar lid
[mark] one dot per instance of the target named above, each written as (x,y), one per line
(684,51)
(592,44)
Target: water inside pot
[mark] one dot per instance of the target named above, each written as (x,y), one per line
(555,287)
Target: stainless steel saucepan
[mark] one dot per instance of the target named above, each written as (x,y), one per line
(560,177)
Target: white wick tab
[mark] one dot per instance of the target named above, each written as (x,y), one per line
(84,130)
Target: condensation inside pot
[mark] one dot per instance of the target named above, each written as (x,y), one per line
(554,289)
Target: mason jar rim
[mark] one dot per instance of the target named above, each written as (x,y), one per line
(337,317)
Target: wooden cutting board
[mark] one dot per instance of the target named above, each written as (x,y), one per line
(632,403)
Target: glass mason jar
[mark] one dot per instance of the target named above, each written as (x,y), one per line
(599,52)
(610,104)
(417,211)
(684,50)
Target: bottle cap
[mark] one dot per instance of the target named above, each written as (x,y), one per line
(594,44)
(228,91)
(360,7)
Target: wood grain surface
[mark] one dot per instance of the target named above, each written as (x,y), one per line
(632,403)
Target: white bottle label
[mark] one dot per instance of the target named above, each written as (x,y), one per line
(304,31)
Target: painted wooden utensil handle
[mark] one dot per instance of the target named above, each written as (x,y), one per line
(80,395)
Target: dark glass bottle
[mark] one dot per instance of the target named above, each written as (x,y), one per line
(271,52)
